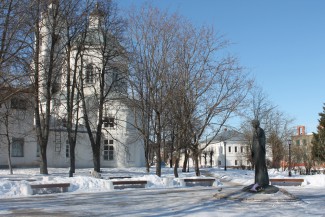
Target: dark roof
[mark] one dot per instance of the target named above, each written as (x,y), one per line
(228,135)
(97,11)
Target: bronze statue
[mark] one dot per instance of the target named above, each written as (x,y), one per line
(258,156)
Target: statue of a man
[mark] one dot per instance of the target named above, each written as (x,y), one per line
(258,156)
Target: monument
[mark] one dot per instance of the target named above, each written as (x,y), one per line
(259,158)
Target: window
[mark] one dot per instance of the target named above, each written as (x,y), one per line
(67,149)
(18,103)
(17,147)
(297,142)
(241,149)
(236,162)
(304,142)
(219,162)
(235,148)
(111,153)
(229,149)
(108,150)
(90,74)
(109,122)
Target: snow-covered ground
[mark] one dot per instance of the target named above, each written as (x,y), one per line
(307,199)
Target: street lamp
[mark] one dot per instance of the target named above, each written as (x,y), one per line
(289,144)
(225,143)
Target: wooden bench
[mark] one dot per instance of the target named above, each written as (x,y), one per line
(287,182)
(122,184)
(50,188)
(120,177)
(18,180)
(198,182)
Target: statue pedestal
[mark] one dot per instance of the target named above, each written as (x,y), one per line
(270,189)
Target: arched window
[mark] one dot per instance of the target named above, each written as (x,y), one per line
(90,74)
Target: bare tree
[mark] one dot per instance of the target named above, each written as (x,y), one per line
(13,40)
(276,124)
(278,129)
(75,23)
(216,86)
(211,153)
(152,35)
(180,74)
(205,156)
(46,69)
(105,35)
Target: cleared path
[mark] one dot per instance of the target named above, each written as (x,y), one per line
(192,201)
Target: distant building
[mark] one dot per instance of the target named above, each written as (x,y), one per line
(302,138)
(228,148)
(301,150)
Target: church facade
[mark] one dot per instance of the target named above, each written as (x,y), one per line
(121,145)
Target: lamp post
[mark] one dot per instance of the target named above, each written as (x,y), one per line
(289,144)
(225,143)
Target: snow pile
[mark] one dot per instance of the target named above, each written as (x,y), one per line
(86,184)
(315,180)
(18,185)
(14,188)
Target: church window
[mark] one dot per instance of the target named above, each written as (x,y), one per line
(90,74)
(108,150)
(17,147)
(109,122)
(67,149)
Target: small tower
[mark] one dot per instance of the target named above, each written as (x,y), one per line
(96,18)
(301,130)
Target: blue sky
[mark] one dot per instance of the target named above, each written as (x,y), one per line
(280,42)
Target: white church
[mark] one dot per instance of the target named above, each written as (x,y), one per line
(121,145)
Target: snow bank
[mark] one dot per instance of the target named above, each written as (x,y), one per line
(17,185)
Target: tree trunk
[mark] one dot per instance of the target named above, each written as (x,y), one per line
(211,158)
(196,162)
(9,156)
(176,167)
(158,151)
(43,163)
(72,159)
(158,162)
(146,153)
(186,157)
(96,159)
(9,161)
(9,143)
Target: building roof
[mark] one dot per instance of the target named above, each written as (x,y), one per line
(228,136)
(97,11)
